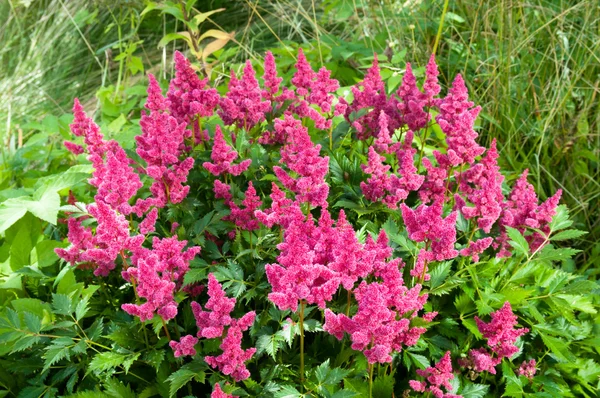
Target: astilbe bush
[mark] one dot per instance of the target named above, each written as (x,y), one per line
(263,173)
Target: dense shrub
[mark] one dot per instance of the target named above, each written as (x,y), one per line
(221,232)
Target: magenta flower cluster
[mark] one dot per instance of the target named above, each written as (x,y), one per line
(318,256)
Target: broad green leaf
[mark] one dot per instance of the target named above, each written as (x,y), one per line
(568,234)
(269,344)
(558,347)
(179,379)
(474,390)
(288,392)
(517,241)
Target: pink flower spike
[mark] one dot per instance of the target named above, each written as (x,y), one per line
(185,347)
(436,377)
(218,393)
(75,149)
(304,75)
(212,323)
(223,156)
(500,332)
(527,369)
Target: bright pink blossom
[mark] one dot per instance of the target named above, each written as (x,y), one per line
(500,332)
(223,156)
(211,323)
(185,347)
(232,361)
(189,97)
(527,369)
(218,393)
(436,377)
(243,105)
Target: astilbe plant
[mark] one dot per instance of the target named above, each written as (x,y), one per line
(367,295)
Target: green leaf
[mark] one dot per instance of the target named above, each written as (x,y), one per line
(474,390)
(109,360)
(326,375)
(62,304)
(560,219)
(117,389)
(559,348)
(345,394)
(81,309)
(517,241)
(33,323)
(269,344)
(568,234)
(287,392)
(24,343)
(60,349)
(439,274)
(179,379)
(548,253)
(383,386)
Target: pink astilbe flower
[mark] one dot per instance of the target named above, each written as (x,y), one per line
(527,369)
(480,360)
(157,272)
(162,136)
(114,178)
(435,185)
(426,224)
(456,120)
(301,156)
(188,95)
(521,210)
(313,89)
(84,126)
(218,393)
(413,102)
(102,249)
(390,189)
(370,96)
(156,289)
(436,377)
(283,211)
(74,148)
(431,87)
(482,183)
(300,273)
(223,191)
(242,104)
(320,89)
(500,332)
(304,76)
(148,224)
(80,238)
(475,248)
(232,361)
(380,326)
(185,347)
(375,329)
(223,156)
(244,217)
(383,142)
(211,324)
(379,183)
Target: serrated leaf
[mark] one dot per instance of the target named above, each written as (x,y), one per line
(117,389)
(287,392)
(57,352)
(548,253)
(81,309)
(24,343)
(560,219)
(179,379)
(62,304)
(269,344)
(568,234)
(33,322)
(517,241)
(558,347)
(474,390)
(439,273)
(109,360)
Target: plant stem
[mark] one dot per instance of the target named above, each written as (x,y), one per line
(301,325)
(348,305)
(371,367)
(165,328)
